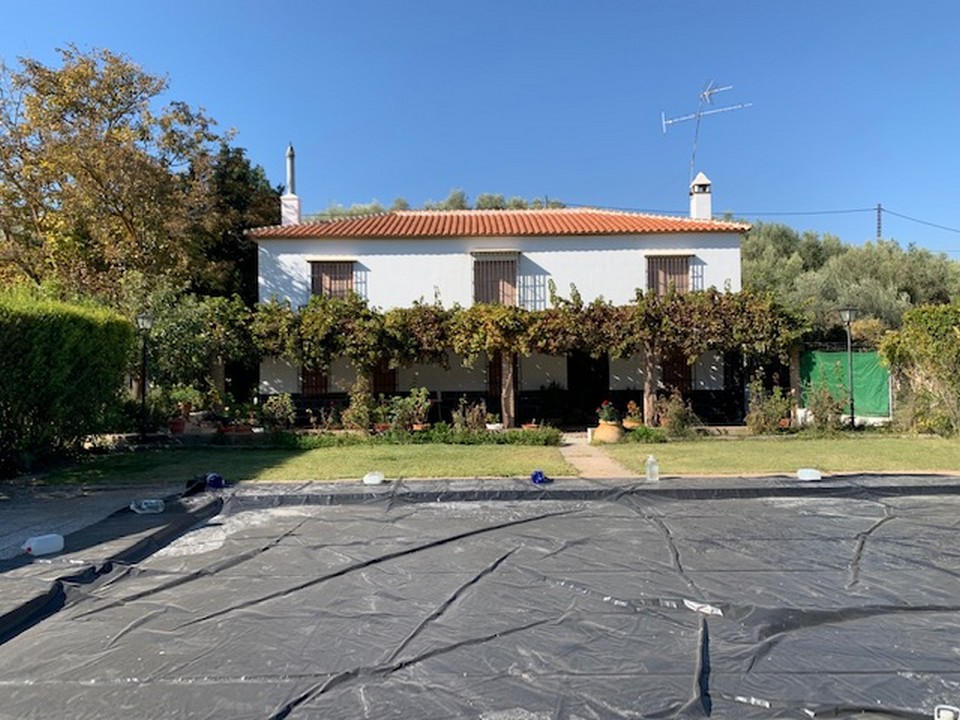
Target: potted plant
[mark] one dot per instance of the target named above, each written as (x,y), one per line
(493,422)
(419,400)
(382,414)
(186,398)
(609,429)
(633,417)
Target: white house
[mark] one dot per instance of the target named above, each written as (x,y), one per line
(505,256)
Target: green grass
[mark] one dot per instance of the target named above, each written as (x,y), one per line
(777,455)
(865,452)
(333,463)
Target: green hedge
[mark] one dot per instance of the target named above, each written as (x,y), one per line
(61,372)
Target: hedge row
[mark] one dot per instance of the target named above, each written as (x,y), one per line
(61,372)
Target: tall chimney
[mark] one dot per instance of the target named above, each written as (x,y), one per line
(290,203)
(700,198)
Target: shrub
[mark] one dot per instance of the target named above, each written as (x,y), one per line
(443,433)
(826,408)
(440,433)
(676,416)
(359,415)
(645,434)
(61,374)
(278,412)
(402,412)
(921,412)
(767,411)
(470,416)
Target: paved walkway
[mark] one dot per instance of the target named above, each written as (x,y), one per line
(590,460)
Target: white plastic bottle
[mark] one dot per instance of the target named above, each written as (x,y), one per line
(653,469)
(147,507)
(43,544)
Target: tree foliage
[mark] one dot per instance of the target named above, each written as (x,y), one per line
(815,275)
(96,182)
(194,336)
(689,324)
(419,334)
(925,355)
(238,197)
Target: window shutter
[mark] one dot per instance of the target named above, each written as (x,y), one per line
(495,279)
(331,279)
(666,270)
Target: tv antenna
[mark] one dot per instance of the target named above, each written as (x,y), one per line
(706,98)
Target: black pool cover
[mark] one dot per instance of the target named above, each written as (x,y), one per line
(761,601)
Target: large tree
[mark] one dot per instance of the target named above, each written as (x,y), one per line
(96,182)
(238,196)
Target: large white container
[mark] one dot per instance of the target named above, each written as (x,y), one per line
(43,544)
(653,469)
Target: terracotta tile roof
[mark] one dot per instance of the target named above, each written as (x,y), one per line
(496,223)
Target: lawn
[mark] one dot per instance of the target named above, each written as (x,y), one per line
(352,462)
(866,452)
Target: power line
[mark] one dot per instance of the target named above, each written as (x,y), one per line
(804,212)
(921,222)
(731,212)
(753,213)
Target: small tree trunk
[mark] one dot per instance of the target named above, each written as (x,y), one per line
(650,358)
(218,376)
(795,382)
(508,395)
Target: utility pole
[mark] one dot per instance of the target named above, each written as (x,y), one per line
(879,221)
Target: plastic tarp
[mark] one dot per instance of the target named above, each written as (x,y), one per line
(871,380)
(765,600)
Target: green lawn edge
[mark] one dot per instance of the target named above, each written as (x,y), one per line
(238,464)
(866,453)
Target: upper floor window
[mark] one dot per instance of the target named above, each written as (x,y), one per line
(495,278)
(331,278)
(666,271)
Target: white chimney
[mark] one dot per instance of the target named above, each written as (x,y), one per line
(290,203)
(700,208)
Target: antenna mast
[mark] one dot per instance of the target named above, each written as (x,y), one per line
(706,98)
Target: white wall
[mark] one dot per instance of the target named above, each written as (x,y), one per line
(539,371)
(627,373)
(278,376)
(536,371)
(395,273)
(456,378)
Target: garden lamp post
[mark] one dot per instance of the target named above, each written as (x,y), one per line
(848,315)
(144,323)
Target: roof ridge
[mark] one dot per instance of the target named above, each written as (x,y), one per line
(489,222)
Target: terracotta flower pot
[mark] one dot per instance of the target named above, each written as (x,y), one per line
(608,431)
(631,423)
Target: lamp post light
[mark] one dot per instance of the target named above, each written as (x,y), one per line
(144,323)
(848,315)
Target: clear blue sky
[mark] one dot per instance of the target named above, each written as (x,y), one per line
(855,102)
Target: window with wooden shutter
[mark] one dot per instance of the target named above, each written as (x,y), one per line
(331,278)
(495,278)
(666,271)
(314,383)
(676,373)
(384,379)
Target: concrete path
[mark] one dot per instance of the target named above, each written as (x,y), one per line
(590,460)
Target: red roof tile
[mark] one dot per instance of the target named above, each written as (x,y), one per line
(496,223)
